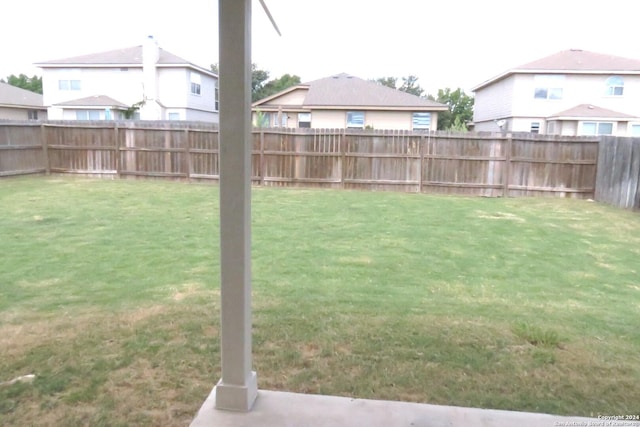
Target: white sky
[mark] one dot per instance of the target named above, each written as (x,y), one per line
(446,43)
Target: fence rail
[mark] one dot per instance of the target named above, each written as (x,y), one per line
(490,165)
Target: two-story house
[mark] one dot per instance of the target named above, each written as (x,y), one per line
(346,101)
(573,92)
(143,82)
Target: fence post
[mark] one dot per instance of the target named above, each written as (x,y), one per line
(421,165)
(507,165)
(187,154)
(116,143)
(45,150)
(261,167)
(343,160)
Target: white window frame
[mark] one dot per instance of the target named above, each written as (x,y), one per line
(597,129)
(535,127)
(634,129)
(548,86)
(304,118)
(355,119)
(88,115)
(69,84)
(196,83)
(283,120)
(615,86)
(421,120)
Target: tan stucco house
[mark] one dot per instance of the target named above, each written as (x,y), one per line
(345,101)
(573,92)
(20,104)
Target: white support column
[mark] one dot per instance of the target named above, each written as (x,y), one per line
(237,389)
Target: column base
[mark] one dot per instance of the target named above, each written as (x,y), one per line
(232,397)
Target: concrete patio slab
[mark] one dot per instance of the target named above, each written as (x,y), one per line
(281,409)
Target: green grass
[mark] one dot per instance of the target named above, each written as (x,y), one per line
(109,293)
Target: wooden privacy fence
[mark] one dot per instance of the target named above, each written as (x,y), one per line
(618,179)
(430,162)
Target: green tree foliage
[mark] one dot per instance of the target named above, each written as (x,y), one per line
(410,85)
(278,85)
(388,82)
(261,86)
(34,84)
(460,109)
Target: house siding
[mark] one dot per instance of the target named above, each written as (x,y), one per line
(512,99)
(494,101)
(9,113)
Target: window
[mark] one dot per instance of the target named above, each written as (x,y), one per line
(33,114)
(548,86)
(355,119)
(195,83)
(87,115)
(535,127)
(597,128)
(283,120)
(69,84)
(635,130)
(421,121)
(615,86)
(217,98)
(304,120)
(174,116)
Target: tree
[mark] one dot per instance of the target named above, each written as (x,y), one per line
(410,85)
(278,85)
(387,81)
(260,87)
(33,84)
(460,109)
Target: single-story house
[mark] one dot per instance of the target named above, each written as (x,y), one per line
(346,101)
(20,104)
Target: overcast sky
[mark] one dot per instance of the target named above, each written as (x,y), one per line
(445,43)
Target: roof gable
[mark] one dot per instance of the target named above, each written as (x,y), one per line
(582,60)
(94,101)
(131,56)
(590,111)
(573,61)
(346,91)
(12,95)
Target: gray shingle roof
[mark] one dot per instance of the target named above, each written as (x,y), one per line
(573,61)
(591,111)
(346,91)
(11,95)
(131,56)
(349,91)
(94,101)
(582,60)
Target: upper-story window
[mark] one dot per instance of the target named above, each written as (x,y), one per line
(548,86)
(355,119)
(615,86)
(195,83)
(421,121)
(69,85)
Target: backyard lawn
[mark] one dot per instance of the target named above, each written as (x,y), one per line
(109,295)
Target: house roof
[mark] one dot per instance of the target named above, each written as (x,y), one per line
(130,57)
(573,61)
(100,101)
(343,91)
(18,97)
(590,111)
